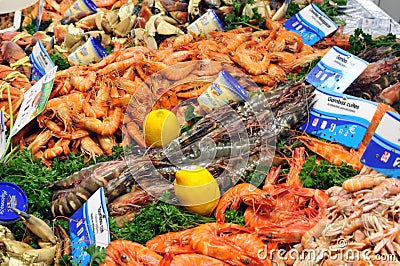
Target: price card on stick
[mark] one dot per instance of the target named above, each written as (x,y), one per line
(35,100)
(40,61)
(336,70)
(311,24)
(339,117)
(383,151)
(89,226)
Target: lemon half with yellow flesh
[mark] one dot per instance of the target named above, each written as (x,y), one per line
(160,127)
(197,190)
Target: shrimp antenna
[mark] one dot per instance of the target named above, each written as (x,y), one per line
(148,148)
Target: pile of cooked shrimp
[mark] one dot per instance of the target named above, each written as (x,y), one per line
(86,109)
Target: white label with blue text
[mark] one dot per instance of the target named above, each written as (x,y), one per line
(89,226)
(339,117)
(336,70)
(35,99)
(311,24)
(40,61)
(383,151)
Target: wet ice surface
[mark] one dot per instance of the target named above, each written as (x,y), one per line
(366,15)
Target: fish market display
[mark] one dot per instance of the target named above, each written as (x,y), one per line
(86,108)
(153,171)
(284,197)
(362,218)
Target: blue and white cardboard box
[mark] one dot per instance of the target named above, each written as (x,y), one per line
(89,226)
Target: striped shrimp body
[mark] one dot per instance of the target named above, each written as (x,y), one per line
(76,189)
(209,138)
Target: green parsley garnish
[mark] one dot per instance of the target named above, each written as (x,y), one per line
(236,19)
(60,61)
(361,41)
(323,175)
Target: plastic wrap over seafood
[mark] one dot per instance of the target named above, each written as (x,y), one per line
(230,141)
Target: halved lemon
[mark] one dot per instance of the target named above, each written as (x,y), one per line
(160,127)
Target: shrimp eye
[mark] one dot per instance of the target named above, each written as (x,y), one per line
(124,258)
(246,261)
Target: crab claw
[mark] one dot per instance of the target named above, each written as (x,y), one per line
(20,213)
(193,9)
(37,226)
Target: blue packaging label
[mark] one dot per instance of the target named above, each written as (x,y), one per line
(383,151)
(40,61)
(208,22)
(339,117)
(88,53)
(79,6)
(311,24)
(336,70)
(11,195)
(89,226)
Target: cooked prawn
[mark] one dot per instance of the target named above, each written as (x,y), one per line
(333,153)
(172,242)
(90,147)
(133,130)
(181,40)
(191,259)
(40,141)
(124,252)
(360,182)
(287,40)
(208,239)
(252,60)
(106,127)
(56,150)
(243,192)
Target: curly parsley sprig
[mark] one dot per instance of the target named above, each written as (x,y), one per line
(236,19)
(361,41)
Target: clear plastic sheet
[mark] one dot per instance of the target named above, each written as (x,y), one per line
(365,14)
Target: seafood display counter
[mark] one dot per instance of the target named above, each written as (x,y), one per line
(365,14)
(237,103)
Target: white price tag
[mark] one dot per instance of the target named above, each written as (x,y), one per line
(35,100)
(336,70)
(40,61)
(311,24)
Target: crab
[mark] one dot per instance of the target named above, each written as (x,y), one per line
(13,252)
